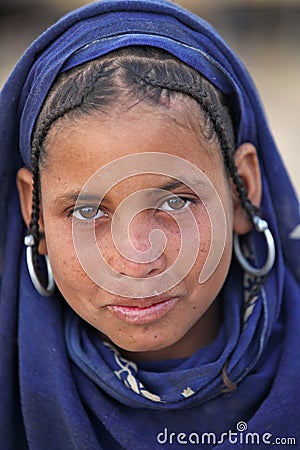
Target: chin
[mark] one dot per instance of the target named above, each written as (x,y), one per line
(140,348)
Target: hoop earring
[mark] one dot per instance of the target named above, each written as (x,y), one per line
(45,292)
(261,226)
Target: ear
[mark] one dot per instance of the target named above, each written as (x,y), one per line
(246,160)
(25,186)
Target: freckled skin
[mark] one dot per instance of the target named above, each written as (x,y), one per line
(75,152)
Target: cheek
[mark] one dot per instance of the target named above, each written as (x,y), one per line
(215,242)
(68,273)
(76,287)
(205,233)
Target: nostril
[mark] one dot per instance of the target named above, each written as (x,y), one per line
(153,272)
(140,270)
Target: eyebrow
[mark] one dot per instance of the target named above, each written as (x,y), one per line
(172,185)
(190,184)
(72,196)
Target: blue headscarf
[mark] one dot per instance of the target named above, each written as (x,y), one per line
(63,388)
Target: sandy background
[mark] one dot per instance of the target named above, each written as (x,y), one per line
(265,34)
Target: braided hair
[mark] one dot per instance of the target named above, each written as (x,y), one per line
(142,73)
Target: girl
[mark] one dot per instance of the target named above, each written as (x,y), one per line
(155,301)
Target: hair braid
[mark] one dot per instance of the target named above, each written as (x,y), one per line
(227,152)
(79,91)
(213,112)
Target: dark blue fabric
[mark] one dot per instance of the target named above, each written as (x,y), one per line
(59,389)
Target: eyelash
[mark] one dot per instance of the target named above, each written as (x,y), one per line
(79,209)
(187,201)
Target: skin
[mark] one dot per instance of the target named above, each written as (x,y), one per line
(75,151)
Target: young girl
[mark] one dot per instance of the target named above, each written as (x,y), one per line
(155,301)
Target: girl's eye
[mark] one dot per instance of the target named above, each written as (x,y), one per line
(176,204)
(88,213)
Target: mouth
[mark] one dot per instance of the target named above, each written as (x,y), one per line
(143,311)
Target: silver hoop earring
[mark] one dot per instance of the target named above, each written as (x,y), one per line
(261,226)
(45,292)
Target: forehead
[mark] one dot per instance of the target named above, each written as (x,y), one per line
(78,147)
(180,115)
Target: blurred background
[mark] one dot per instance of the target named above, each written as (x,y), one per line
(264,33)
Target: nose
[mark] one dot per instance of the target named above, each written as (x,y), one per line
(138,252)
(138,269)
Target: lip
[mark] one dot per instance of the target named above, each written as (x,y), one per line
(143,312)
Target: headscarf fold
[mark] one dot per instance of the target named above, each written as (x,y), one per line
(62,387)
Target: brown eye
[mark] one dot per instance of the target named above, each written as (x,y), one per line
(88,213)
(175,204)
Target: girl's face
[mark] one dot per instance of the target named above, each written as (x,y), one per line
(185,317)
